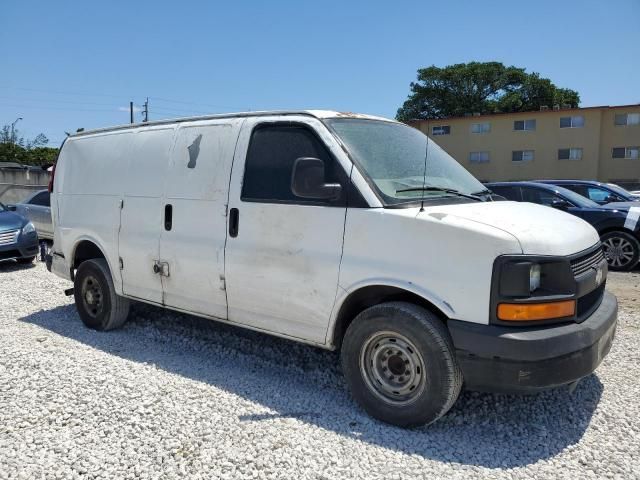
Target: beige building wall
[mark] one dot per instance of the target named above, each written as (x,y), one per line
(596,137)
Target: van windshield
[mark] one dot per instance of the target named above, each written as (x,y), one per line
(392,155)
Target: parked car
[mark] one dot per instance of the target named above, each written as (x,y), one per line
(617,224)
(37,208)
(599,192)
(18,237)
(339,230)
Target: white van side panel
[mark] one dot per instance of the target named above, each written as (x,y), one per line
(282,268)
(87,193)
(142,212)
(197,188)
(381,248)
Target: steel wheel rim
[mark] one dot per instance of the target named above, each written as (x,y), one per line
(392,368)
(92,296)
(618,251)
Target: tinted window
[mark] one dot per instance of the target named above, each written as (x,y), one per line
(272,151)
(579,189)
(43,199)
(510,193)
(536,195)
(601,195)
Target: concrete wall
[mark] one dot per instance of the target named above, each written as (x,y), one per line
(16,185)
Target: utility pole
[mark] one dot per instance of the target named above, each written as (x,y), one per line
(145,112)
(131,111)
(13,137)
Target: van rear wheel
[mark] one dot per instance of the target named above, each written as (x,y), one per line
(98,305)
(400,364)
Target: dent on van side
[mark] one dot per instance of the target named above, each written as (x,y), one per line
(343,231)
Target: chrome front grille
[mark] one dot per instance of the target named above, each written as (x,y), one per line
(9,237)
(583,264)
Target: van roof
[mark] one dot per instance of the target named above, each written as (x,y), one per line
(321,114)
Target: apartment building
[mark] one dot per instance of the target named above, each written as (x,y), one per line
(601,143)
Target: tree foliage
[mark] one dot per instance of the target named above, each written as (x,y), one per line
(480,87)
(15,148)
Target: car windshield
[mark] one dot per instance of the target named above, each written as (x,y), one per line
(575,198)
(392,155)
(626,194)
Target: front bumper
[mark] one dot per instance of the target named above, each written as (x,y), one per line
(529,359)
(26,246)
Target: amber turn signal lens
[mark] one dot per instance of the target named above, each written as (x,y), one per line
(524,312)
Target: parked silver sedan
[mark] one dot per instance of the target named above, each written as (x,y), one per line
(37,208)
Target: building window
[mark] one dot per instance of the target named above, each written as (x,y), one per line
(626,152)
(484,127)
(522,125)
(576,121)
(627,119)
(478,157)
(570,154)
(441,130)
(522,155)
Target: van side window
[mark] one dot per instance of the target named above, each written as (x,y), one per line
(272,151)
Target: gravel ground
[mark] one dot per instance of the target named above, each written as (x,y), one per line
(174,396)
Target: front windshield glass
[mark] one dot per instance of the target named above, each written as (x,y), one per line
(620,191)
(392,155)
(575,198)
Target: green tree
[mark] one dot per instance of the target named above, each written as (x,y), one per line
(15,148)
(484,87)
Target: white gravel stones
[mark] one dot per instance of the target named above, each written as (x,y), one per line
(172,396)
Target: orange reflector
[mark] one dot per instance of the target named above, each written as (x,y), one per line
(523,312)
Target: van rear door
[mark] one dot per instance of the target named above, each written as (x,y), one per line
(142,211)
(194,224)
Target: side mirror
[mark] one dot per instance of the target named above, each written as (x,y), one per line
(308,180)
(12,208)
(560,204)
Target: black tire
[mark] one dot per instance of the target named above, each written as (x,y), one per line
(26,260)
(621,249)
(98,305)
(428,387)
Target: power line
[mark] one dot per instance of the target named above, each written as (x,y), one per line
(44,108)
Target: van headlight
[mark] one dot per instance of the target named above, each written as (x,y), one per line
(534,277)
(529,288)
(28,228)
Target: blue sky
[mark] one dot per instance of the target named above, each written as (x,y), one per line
(70,64)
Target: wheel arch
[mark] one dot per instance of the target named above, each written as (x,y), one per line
(364,296)
(86,248)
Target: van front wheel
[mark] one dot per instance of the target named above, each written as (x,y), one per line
(98,305)
(400,364)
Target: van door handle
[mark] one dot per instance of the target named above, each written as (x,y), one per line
(234,217)
(168,217)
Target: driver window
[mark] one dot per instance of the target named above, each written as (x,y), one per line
(598,194)
(273,149)
(542,197)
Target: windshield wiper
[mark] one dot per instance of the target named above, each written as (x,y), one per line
(486,191)
(429,188)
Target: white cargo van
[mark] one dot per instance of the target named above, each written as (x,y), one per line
(343,231)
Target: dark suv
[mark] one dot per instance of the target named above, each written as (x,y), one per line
(618,227)
(601,193)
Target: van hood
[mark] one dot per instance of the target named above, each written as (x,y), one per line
(539,230)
